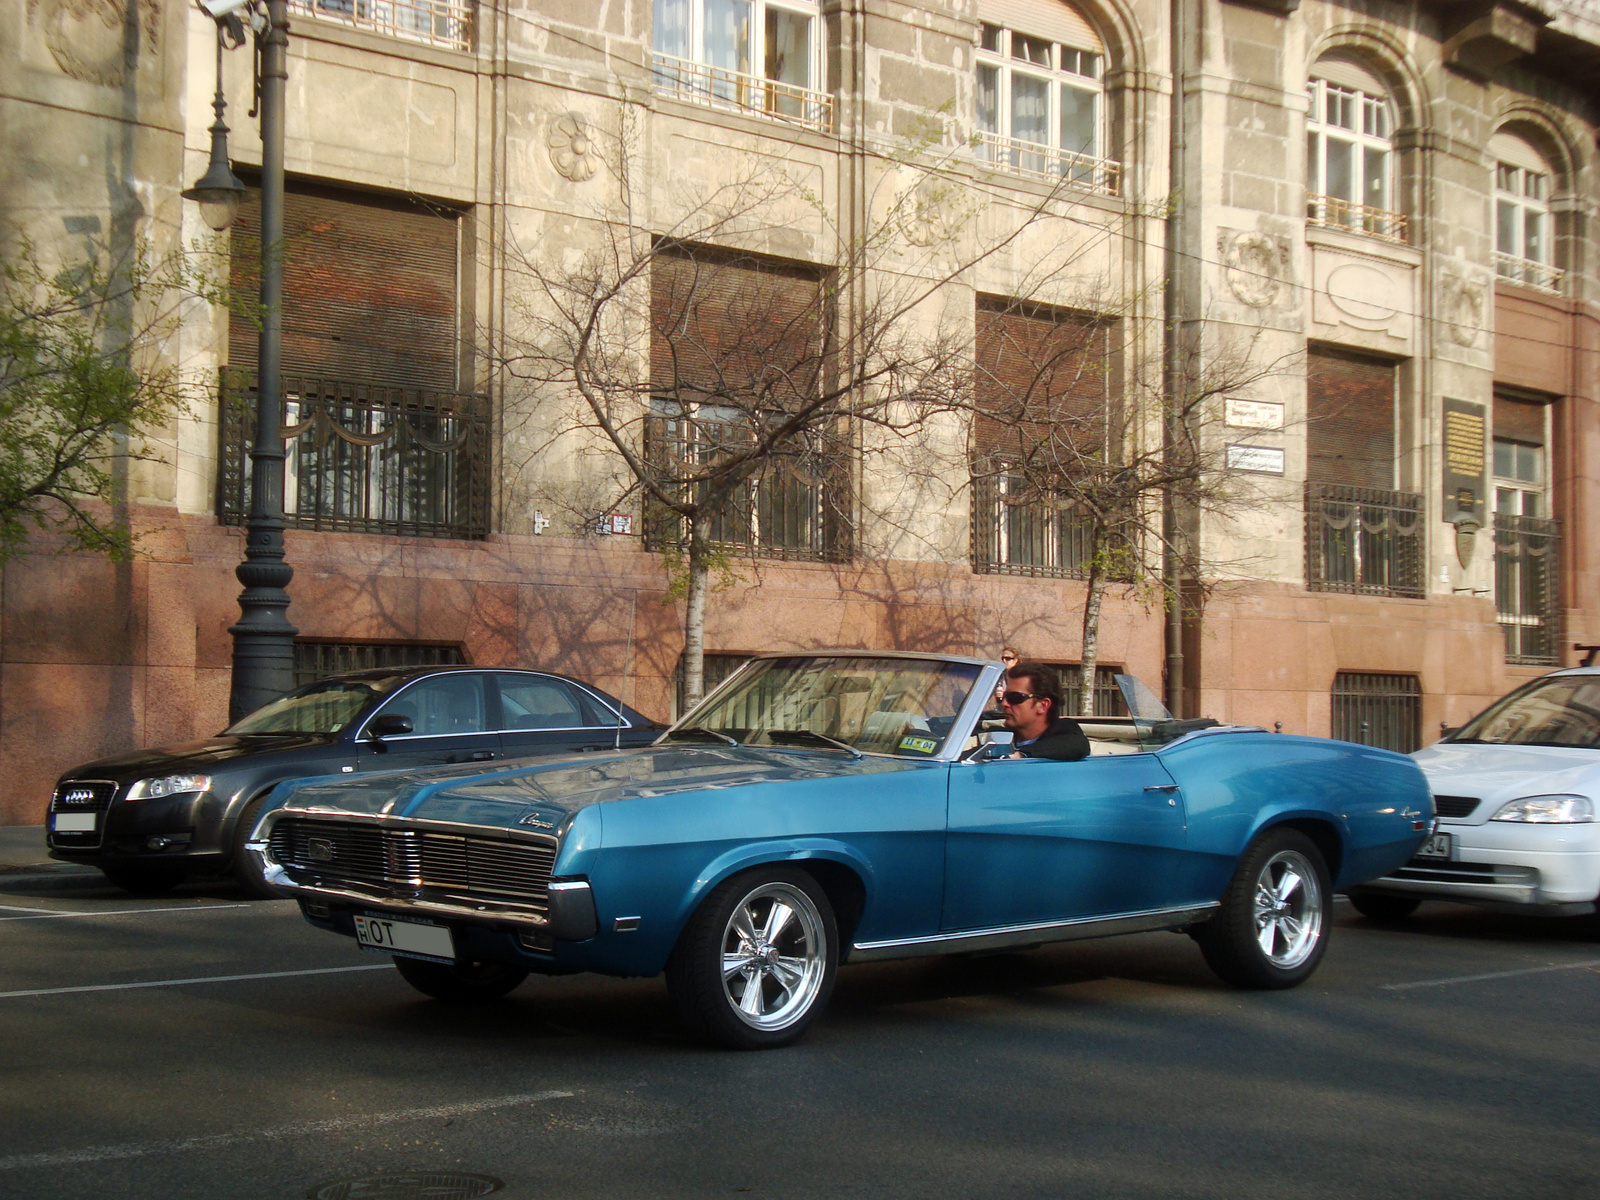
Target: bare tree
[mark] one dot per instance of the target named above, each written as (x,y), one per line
(1077,450)
(729,393)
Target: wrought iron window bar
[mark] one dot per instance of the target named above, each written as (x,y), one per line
(446,23)
(364,459)
(1018,530)
(1525,271)
(717,87)
(1331,212)
(1366,541)
(1046,162)
(1378,710)
(1527,562)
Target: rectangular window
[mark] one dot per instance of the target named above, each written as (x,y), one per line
(446,23)
(1527,542)
(750,55)
(1378,710)
(316,659)
(379,439)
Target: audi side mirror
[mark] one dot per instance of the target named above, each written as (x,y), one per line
(389,725)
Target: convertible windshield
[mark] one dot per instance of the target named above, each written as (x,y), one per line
(323,707)
(1560,711)
(869,705)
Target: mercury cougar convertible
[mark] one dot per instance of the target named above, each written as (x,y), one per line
(837,807)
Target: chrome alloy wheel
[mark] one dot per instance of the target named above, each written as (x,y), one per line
(1288,909)
(773,956)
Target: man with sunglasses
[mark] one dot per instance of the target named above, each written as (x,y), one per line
(1032,706)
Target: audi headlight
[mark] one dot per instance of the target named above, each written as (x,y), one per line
(1547,810)
(169,785)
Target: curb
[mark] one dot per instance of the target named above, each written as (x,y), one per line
(49,878)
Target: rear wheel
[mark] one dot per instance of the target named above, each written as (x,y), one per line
(460,982)
(756,963)
(145,879)
(1383,906)
(1273,927)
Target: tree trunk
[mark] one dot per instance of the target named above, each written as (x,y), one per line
(694,617)
(1091,633)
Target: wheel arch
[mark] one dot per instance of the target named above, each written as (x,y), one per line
(1323,832)
(842,873)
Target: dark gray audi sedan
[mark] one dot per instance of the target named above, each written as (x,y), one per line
(152,818)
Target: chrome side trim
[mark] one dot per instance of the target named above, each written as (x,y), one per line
(1001,937)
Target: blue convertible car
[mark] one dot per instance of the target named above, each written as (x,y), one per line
(843,807)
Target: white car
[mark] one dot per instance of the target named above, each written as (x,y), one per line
(1516,790)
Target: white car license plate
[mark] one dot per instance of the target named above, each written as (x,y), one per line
(1438,846)
(72,822)
(405,937)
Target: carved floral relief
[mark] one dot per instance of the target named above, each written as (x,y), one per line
(572,148)
(96,40)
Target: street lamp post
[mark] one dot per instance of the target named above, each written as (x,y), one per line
(263,639)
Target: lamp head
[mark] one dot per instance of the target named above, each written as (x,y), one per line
(219,193)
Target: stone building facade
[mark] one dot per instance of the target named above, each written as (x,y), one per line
(1388,205)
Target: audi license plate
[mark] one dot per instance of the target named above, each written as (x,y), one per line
(1438,846)
(414,939)
(72,822)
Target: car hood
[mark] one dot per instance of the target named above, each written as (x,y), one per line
(1497,774)
(204,756)
(545,793)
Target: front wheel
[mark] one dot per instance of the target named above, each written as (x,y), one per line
(756,963)
(1273,926)
(1383,906)
(247,868)
(460,982)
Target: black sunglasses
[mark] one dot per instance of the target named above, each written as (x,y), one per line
(1015,698)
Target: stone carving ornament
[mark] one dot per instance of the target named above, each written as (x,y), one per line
(572,149)
(1463,306)
(1256,266)
(90,39)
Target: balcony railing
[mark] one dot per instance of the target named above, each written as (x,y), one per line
(364,459)
(1364,540)
(716,87)
(1529,273)
(1527,595)
(1334,213)
(446,23)
(1046,162)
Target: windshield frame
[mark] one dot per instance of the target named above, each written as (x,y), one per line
(1462,738)
(963,726)
(382,688)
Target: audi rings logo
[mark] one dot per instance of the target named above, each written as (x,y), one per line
(78,795)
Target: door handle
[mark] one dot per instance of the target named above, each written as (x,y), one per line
(1161,787)
(481,755)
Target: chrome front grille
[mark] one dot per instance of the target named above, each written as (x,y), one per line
(479,868)
(1455,806)
(83,795)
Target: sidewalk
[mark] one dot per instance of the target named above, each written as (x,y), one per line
(26,866)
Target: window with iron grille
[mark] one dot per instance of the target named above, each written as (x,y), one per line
(379,438)
(1108,700)
(715,668)
(1378,710)
(316,659)
(1361,535)
(1527,541)
(1041,388)
(738,347)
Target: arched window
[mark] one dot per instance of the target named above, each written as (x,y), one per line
(1349,151)
(1041,102)
(1523,234)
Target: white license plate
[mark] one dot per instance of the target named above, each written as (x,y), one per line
(405,937)
(1438,846)
(72,822)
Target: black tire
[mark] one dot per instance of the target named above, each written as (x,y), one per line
(1256,907)
(244,866)
(460,982)
(145,879)
(790,961)
(1383,906)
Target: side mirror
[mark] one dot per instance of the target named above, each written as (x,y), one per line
(999,745)
(389,725)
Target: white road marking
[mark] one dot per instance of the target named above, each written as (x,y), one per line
(1406,987)
(19,908)
(156,983)
(45,914)
(217,1141)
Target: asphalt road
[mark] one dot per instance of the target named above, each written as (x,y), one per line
(204,1045)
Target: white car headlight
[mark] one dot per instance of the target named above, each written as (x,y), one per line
(1547,810)
(169,785)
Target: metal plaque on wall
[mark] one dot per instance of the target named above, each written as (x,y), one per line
(1466,481)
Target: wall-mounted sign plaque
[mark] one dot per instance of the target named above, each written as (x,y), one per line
(1265,459)
(1466,482)
(1252,414)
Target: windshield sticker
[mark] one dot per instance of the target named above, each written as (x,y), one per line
(920,744)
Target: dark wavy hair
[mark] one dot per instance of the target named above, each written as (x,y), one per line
(1045,684)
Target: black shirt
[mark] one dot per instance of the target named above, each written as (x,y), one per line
(1063,741)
